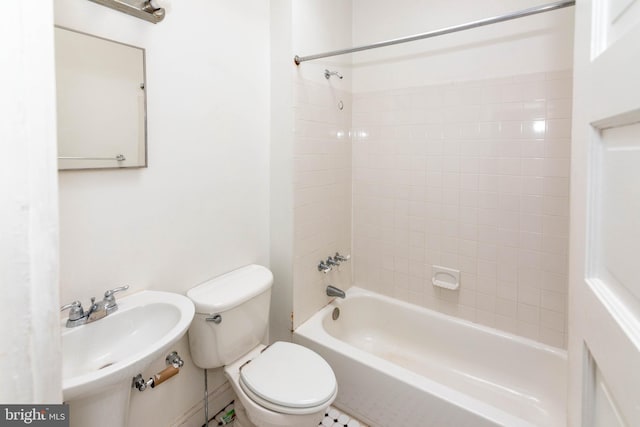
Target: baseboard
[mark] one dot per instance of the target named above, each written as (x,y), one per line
(218,399)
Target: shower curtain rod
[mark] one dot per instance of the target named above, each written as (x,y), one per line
(480,23)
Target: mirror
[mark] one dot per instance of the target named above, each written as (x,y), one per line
(101,102)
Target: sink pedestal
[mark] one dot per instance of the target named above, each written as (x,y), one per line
(107,408)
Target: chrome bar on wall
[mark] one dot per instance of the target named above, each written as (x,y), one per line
(143,9)
(480,23)
(119,158)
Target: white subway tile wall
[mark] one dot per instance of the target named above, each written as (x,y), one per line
(473,176)
(322,193)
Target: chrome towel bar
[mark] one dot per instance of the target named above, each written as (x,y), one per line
(119,158)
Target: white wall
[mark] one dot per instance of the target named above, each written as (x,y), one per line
(281,190)
(31,356)
(321,26)
(201,208)
(450,167)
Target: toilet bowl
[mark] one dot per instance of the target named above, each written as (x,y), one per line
(283,384)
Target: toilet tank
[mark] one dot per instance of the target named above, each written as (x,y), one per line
(232,315)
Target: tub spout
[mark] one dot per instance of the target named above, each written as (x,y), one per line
(332,291)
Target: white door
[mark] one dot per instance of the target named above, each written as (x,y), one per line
(604,296)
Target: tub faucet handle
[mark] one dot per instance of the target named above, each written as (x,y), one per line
(324,267)
(341,258)
(332,262)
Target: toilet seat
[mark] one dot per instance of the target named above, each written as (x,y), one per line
(288,378)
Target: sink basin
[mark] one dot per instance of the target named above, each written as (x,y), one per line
(103,356)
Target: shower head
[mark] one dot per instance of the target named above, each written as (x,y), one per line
(328,74)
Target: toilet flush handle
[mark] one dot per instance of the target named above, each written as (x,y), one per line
(216,318)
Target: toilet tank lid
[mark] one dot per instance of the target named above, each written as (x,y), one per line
(231,289)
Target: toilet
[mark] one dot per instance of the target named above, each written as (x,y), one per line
(283,384)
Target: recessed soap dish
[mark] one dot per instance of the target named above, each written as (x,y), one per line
(444,277)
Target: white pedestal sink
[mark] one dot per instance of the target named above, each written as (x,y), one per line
(100,359)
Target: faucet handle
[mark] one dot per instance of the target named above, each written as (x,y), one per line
(76,311)
(342,258)
(110,292)
(110,299)
(324,267)
(332,262)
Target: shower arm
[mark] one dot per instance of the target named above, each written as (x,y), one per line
(328,74)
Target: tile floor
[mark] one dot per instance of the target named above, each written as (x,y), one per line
(332,418)
(336,418)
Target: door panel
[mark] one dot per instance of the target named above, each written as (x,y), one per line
(604,307)
(605,409)
(619,206)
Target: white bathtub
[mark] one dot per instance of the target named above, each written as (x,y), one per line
(401,365)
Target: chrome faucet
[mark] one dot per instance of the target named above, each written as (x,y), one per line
(341,258)
(96,311)
(78,316)
(332,262)
(324,267)
(332,291)
(109,300)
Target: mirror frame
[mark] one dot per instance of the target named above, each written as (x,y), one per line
(144,121)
